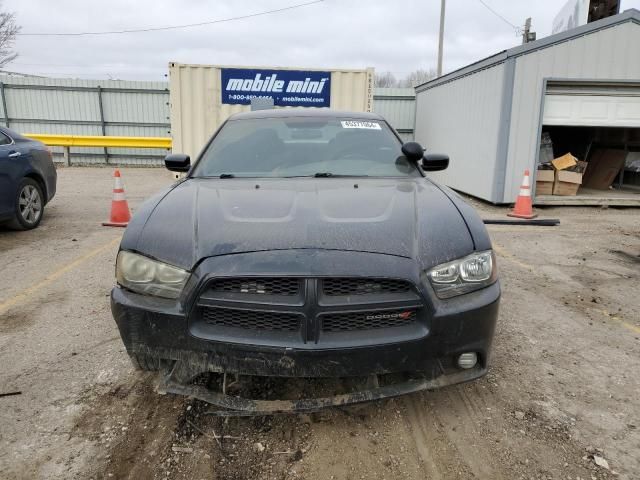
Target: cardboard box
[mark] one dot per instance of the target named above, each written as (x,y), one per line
(580,168)
(565,161)
(544,182)
(566,183)
(603,168)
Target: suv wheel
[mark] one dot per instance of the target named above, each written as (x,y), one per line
(145,362)
(29,205)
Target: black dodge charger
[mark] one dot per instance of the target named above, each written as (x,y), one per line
(307,243)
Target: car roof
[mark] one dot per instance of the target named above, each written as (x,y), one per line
(305,112)
(13,134)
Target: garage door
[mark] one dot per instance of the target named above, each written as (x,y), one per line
(592,105)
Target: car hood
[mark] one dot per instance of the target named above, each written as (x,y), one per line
(201,218)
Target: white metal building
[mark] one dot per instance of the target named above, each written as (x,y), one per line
(489,116)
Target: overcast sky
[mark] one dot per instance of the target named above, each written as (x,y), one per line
(392,35)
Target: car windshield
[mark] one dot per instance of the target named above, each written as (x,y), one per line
(304,147)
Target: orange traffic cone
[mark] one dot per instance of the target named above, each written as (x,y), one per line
(524,206)
(120,214)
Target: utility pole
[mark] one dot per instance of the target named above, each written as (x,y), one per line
(441,38)
(527,34)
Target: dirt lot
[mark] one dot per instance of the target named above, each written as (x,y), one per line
(564,384)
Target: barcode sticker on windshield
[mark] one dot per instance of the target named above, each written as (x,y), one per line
(360,124)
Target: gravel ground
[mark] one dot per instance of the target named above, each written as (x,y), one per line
(562,391)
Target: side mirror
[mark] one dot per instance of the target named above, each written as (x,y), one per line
(177,162)
(432,162)
(413,151)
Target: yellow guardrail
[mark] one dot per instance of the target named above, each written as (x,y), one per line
(100,141)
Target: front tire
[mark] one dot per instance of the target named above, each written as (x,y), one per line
(29,206)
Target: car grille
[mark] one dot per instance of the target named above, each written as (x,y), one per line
(251,319)
(344,322)
(363,286)
(294,309)
(264,286)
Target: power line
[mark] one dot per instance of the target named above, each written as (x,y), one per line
(118,65)
(60,65)
(40,74)
(171,27)
(515,27)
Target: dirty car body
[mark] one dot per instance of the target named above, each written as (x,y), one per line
(307,244)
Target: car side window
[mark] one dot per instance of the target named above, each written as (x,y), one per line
(4,140)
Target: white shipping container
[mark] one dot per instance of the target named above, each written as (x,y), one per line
(197,110)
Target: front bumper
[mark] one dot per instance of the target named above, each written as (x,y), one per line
(236,406)
(161,328)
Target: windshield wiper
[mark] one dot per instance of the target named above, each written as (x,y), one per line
(227,175)
(329,174)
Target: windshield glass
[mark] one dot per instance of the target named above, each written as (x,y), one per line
(300,147)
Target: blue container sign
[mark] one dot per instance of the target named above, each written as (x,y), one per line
(288,88)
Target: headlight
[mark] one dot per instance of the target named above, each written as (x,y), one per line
(467,274)
(144,275)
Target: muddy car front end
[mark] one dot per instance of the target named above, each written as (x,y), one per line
(314,314)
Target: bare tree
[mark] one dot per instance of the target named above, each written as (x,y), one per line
(386,79)
(8,31)
(415,78)
(418,77)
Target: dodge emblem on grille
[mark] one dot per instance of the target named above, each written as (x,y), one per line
(401,315)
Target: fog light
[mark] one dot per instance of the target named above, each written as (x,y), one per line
(467,360)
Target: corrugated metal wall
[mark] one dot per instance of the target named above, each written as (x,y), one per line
(69,106)
(197,111)
(398,106)
(88,107)
(462,119)
(612,53)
